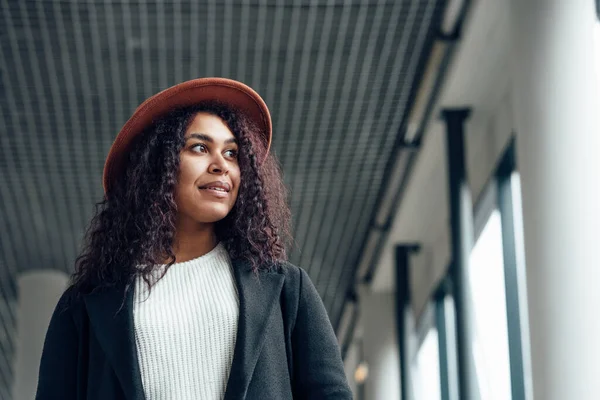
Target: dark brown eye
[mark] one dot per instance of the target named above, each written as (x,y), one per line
(200,146)
(232,153)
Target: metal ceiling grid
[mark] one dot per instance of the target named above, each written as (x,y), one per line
(339,77)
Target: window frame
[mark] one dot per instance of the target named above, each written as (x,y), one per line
(498,194)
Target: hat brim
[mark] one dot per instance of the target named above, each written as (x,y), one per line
(234,94)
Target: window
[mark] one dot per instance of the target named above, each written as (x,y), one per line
(486,278)
(427,368)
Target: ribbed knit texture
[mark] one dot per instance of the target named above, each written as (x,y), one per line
(186,329)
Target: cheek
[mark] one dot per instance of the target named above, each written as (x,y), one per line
(188,171)
(185,181)
(183,196)
(235,196)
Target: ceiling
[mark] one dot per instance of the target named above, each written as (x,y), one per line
(338,76)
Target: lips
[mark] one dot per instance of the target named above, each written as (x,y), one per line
(218,186)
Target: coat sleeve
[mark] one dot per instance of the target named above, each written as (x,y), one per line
(57,377)
(318,367)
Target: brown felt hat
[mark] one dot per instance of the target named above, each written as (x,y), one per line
(236,95)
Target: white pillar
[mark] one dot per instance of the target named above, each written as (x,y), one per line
(39,292)
(555,93)
(378,320)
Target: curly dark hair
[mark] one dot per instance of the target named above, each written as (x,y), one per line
(134,225)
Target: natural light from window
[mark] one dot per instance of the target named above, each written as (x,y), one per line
(596,52)
(486,272)
(428,368)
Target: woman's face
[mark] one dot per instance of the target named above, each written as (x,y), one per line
(209,174)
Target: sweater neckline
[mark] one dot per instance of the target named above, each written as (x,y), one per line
(216,251)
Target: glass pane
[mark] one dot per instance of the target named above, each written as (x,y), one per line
(486,276)
(427,368)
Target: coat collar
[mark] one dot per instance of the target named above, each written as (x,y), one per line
(113,326)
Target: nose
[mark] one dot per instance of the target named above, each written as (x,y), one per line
(218,166)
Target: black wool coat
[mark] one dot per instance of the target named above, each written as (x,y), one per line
(285,348)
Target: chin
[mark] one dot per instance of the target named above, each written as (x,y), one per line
(210,220)
(212,214)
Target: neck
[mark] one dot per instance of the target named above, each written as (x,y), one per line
(193,240)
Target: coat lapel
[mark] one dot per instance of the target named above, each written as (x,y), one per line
(259,296)
(113,327)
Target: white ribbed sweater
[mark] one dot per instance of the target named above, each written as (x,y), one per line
(186,329)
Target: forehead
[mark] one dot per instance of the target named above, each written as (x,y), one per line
(210,125)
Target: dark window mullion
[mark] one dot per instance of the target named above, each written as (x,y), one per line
(511,274)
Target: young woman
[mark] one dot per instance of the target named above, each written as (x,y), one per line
(183,291)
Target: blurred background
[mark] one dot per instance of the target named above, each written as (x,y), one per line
(442,155)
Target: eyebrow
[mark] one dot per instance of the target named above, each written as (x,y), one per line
(206,138)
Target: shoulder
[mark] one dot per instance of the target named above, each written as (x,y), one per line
(67,315)
(293,274)
(288,269)
(297,280)
(70,297)
(295,283)
(70,302)
(302,297)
